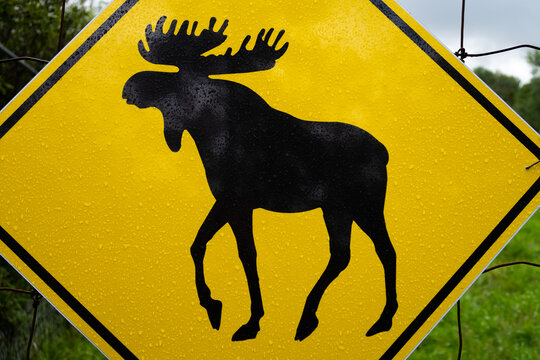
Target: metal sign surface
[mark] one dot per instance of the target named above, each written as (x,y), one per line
(373,173)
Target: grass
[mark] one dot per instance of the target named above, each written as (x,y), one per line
(500,315)
(54,337)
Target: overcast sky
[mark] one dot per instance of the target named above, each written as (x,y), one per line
(489,25)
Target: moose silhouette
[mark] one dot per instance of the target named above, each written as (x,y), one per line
(255,157)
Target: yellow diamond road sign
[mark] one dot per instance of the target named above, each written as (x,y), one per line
(330,186)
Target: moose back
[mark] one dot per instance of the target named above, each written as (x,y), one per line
(255,157)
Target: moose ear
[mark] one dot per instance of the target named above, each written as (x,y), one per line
(173,139)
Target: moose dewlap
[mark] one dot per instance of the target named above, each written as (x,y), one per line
(279,180)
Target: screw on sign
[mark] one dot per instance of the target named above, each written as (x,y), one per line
(333,166)
(106,221)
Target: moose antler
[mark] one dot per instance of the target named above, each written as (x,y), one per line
(185,50)
(170,49)
(263,56)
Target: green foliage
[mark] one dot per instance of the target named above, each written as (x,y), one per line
(14,311)
(54,337)
(500,311)
(31,28)
(525,99)
(499,315)
(527,102)
(533,57)
(504,85)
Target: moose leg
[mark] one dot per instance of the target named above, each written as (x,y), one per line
(214,221)
(241,222)
(374,226)
(338,225)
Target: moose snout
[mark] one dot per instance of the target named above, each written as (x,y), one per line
(124,94)
(145,89)
(173,139)
(128,93)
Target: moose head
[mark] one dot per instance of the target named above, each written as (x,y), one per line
(184,96)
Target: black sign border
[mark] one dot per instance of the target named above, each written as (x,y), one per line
(424,315)
(467,266)
(10,242)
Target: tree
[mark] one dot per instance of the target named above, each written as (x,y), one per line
(528,97)
(525,99)
(31,28)
(533,57)
(504,85)
(527,102)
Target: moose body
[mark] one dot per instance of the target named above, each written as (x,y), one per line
(256,156)
(264,158)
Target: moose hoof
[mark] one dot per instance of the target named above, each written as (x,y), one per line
(308,324)
(246,332)
(383,324)
(214,313)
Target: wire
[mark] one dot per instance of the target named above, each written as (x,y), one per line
(22,58)
(461,52)
(460,335)
(485,271)
(20,291)
(37,300)
(530,166)
(510,264)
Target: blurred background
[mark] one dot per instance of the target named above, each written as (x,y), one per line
(500,312)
